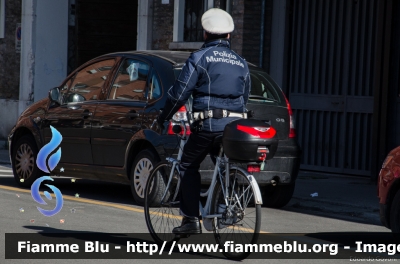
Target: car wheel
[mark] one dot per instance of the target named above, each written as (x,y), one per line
(395,214)
(24,161)
(140,172)
(277,196)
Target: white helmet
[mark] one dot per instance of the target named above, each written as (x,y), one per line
(217,21)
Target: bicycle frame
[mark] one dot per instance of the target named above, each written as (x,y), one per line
(204,211)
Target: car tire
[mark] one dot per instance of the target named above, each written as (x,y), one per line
(23,157)
(277,196)
(395,214)
(144,162)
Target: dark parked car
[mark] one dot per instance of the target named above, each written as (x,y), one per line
(104,111)
(389,191)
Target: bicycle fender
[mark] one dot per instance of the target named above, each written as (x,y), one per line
(253,182)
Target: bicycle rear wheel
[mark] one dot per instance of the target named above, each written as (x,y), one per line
(241,219)
(161,207)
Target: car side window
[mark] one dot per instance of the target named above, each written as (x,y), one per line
(88,82)
(130,83)
(154,87)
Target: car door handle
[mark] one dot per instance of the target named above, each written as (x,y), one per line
(74,107)
(86,114)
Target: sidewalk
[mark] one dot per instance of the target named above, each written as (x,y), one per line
(4,158)
(348,197)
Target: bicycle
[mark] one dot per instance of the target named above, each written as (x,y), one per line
(232,209)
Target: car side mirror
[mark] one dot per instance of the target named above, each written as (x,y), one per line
(54,95)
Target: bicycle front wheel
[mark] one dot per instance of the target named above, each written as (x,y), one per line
(161,206)
(241,216)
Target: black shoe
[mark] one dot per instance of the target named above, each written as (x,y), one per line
(190,225)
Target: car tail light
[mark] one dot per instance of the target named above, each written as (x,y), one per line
(179,116)
(292,131)
(260,132)
(253,168)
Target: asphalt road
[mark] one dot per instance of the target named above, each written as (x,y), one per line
(109,208)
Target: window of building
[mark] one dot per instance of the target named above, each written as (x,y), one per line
(87,83)
(130,83)
(2,18)
(187,20)
(193,30)
(224,5)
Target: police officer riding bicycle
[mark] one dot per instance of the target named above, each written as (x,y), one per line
(219,81)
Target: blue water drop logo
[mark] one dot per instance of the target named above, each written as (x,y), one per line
(47,162)
(47,149)
(36,196)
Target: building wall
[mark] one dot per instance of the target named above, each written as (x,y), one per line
(28,76)
(237,14)
(393,112)
(103,27)
(9,58)
(245,39)
(50,46)
(246,36)
(9,69)
(252,32)
(163,21)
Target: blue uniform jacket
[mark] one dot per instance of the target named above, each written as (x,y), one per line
(217,77)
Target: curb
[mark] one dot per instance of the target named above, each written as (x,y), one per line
(5,161)
(3,144)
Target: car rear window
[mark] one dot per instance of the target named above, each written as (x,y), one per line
(263,88)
